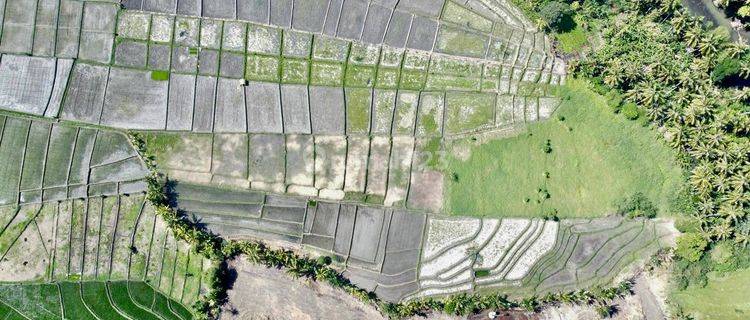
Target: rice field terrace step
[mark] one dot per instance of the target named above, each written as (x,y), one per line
(540,245)
(102,95)
(96,239)
(45,161)
(391,250)
(412,24)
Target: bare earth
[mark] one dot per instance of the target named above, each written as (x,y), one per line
(262,293)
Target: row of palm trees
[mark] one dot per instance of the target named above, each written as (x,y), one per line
(657,55)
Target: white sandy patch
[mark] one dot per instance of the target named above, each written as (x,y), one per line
(510,229)
(443,233)
(543,244)
(459,254)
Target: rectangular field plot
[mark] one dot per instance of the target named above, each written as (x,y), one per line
(230,155)
(356,164)
(181,101)
(263,108)
(85,96)
(330,162)
(452,40)
(384,103)
(358,110)
(295,107)
(399,172)
(327,110)
(300,160)
(405,114)
(469,111)
(266,160)
(366,234)
(14,140)
(230,107)
(97,31)
(26,83)
(134,100)
(377,171)
(17,26)
(36,152)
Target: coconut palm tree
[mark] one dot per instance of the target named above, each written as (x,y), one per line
(722,230)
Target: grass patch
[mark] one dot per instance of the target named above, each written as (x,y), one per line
(36,301)
(722,298)
(481,273)
(160,75)
(597,158)
(573,41)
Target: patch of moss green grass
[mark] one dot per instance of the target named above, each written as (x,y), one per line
(163,144)
(573,41)
(597,158)
(159,75)
(724,297)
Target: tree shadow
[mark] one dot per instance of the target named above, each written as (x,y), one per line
(566,24)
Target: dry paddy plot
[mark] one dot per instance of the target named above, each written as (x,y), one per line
(350,168)
(523,256)
(45,161)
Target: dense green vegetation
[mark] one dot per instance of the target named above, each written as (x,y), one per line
(597,158)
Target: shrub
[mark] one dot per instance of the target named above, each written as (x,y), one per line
(686,224)
(725,70)
(690,246)
(605,310)
(557,16)
(722,252)
(637,205)
(547,147)
(614,100)
(630,111)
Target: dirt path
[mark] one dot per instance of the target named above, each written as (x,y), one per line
(649,302)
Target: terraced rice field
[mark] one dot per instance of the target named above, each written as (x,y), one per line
(97,240)
(401,254)
(312,123)
(75,221)
(88,300)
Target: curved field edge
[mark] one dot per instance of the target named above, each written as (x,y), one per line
(70,300)
(597,158)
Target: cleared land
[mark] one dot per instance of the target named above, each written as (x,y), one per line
(724,297)
(597,158)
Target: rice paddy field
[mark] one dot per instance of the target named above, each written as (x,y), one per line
(88,300)
(417,143)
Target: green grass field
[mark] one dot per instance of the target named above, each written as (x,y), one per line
(87,300)
(723,298)
(598,157)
